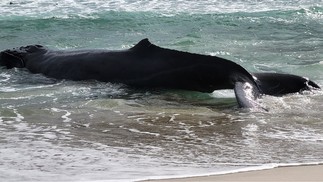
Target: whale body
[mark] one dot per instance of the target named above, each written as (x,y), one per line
(146,65)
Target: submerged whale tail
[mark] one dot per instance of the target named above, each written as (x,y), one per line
(275,84)
(278,84)
(312,84)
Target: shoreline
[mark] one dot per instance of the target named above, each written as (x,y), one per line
(302,172)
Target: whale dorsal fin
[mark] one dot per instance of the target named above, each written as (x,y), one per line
(143,44)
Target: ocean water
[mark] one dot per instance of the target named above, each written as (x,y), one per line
(59,130)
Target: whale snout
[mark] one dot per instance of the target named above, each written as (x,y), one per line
(16,57)
(11,59)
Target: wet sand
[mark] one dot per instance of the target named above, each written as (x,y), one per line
(293,173)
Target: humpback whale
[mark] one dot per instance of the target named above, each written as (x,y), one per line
(146,65)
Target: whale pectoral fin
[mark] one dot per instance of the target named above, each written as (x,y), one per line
(247,95)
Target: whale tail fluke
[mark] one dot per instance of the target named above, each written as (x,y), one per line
(312,84)
(275,84)
(278,84)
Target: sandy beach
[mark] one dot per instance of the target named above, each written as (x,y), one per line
(293,173)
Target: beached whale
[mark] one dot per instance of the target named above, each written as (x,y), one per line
(146,66)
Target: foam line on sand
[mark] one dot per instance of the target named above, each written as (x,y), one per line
(288,173)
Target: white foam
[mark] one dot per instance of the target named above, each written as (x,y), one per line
(65,116)
(143,132)
(4,77)
(245,169)
(290,134)
(89,9)
(223,94)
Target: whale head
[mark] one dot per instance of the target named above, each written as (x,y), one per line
(16,57)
